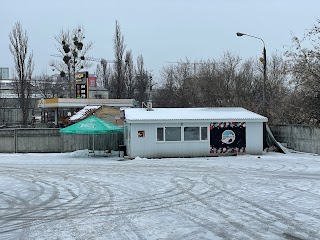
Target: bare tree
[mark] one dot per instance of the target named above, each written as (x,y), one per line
(48,87)
(141,81)
(72,54)
(166,95)
(278,94)
(24,67)
(209,81)
(117,85)
(226,82)
(129,74)
(304,58)
(99,74)
(104,73)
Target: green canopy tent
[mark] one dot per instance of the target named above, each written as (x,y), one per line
(92,125)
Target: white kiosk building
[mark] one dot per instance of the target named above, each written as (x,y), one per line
(191,132)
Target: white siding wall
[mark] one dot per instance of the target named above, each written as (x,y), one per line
(149,147)
(127,137)
(254,137)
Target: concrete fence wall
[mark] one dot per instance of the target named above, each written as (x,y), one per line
(302,138)
(22,140)
(32,140)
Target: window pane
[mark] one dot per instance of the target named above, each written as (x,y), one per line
(159,134)
(191,133)
(204,133)
(173,133)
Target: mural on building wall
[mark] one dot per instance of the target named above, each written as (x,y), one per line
(227,137)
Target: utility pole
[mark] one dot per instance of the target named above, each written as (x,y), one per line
(264,62)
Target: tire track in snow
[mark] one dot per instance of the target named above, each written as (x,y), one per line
(295,226)
(33,213)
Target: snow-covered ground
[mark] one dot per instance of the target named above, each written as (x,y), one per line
(73,196)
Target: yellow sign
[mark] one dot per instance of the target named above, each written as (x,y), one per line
(79,75)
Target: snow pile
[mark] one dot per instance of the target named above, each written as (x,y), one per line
(80,153)
(88,153)
(139,158)
(83,112)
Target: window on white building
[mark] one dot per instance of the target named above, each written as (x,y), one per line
(172,134)
(160,134)
(204,133)
(191,134)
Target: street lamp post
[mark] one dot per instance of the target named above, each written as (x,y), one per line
(264,61)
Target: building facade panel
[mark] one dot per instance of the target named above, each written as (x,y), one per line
(154,138)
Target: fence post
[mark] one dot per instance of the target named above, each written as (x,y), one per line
(15,140)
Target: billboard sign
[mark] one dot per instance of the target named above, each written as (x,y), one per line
(92,81)
(82,89)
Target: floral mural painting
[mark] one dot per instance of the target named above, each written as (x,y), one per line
(227,137)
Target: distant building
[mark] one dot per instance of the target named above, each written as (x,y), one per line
(4,73)
(95,91)
(52,87)
(58,110)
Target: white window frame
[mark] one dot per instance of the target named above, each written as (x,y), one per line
(206,133)
(182,139)
(193,140)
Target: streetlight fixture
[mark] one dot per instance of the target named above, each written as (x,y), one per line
(264,61)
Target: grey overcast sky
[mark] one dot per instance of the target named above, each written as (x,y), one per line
(160,30)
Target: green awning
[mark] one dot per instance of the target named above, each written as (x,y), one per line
(92,125)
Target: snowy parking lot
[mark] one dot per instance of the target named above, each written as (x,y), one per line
(72,196)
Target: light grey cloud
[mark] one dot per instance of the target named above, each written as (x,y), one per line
(160,30)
